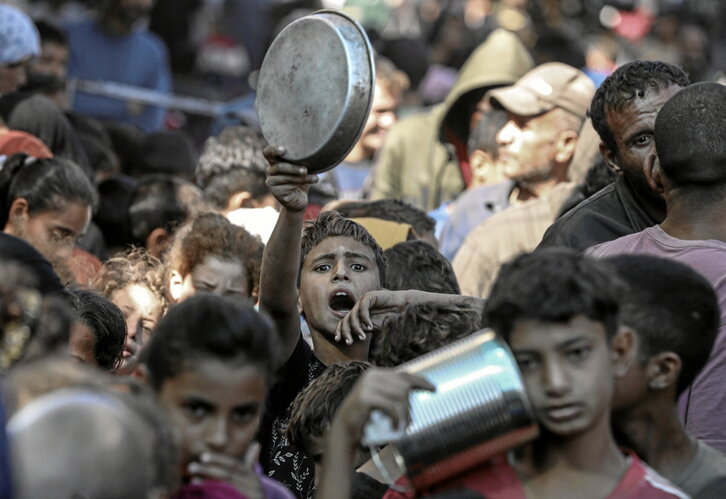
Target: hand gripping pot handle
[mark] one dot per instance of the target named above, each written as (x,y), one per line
(479,409)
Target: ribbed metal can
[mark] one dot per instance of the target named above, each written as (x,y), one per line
(479,409)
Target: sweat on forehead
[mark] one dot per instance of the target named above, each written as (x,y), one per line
(333,224)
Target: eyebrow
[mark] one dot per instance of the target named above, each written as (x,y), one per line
(348,254)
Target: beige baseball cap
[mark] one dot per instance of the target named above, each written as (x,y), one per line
(546,87)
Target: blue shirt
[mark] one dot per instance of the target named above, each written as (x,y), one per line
(138,58)
(472,208)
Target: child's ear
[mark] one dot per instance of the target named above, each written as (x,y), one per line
(240,199)
(299,305)
(623,350)
(18,209)
(663,370)
(157,242)
(176,285)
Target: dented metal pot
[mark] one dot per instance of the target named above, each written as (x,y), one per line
(315,89)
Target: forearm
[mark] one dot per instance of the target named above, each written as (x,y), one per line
(278,280)
(416,296)
(338,463)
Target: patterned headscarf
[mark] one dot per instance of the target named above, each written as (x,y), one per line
(18,36)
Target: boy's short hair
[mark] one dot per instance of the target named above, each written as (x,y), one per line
(211,234)
(418,265)
(393,210)
(161,201)
(554,285)
(672,308)
(690,133)
(314,408)
(333,224)
(422,328)
(107,323)
(210,326)
(230,163)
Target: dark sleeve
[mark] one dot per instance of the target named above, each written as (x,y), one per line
(288,381)
(365,487)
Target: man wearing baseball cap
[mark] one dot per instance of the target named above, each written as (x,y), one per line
(546,109)
(19,42)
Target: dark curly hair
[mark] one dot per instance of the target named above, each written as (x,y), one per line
(629,81)
(134,266)
(422,328)
(212,234)
(333,224)
(314,408)
(232,162)
(418,265)
(393,210)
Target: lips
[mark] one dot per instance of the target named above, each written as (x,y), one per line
(341,301)
(563,412)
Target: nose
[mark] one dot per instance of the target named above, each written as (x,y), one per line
(386,120)
(216,433)
(340,273)
(556,379)
(507,133)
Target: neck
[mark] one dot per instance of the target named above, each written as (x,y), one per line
(532,190)
(692,218)
(358,154)
(330,352)
(593,451)
(113,27)
(655,432)
(652,203)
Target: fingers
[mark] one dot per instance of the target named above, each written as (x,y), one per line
(273,153)
(275,180)
(252,456)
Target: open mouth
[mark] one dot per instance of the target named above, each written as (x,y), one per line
(341,302)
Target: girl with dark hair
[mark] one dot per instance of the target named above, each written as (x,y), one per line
(46,202)
(210,361)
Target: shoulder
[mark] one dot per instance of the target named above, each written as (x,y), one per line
(596,219)
(149,41)
(642,482)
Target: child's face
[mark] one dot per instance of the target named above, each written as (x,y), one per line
(142,310)
(334,275)
(215,407)
(213,275)
(567,369)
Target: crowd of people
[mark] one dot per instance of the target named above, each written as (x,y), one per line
(185,314)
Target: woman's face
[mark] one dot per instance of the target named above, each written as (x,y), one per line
(142,310)
(213,275)
(215,408)
(53,233)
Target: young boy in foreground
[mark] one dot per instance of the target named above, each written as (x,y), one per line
(559,313)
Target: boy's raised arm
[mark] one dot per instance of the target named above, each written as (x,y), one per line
(281,259)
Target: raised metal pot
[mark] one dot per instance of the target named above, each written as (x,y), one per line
(315,89)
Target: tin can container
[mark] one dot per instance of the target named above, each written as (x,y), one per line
(479,409)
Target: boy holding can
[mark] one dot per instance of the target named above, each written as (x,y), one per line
(558,311)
